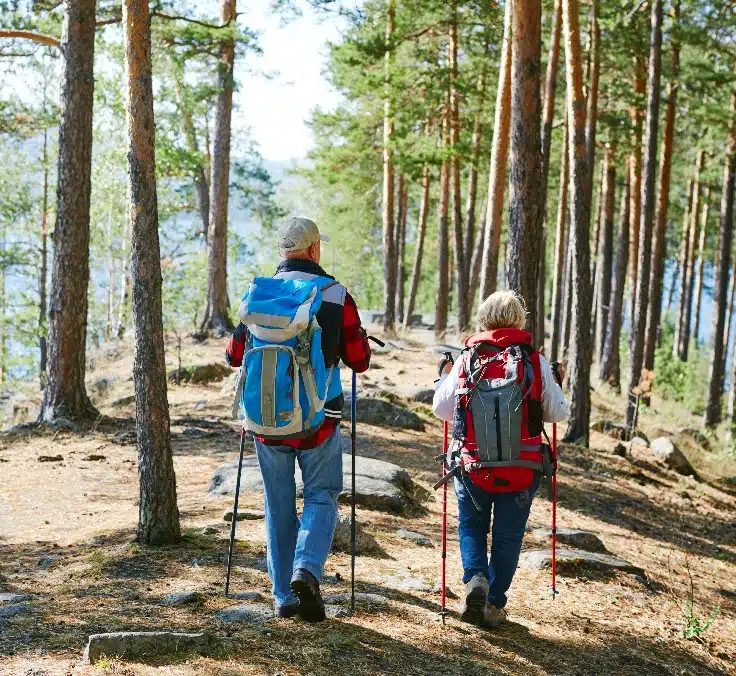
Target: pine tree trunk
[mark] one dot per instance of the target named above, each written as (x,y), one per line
(700,263)
(43,270)
(636,115)
(580,359)
(656,276)
(684,342)
(217,314)
(65,395)
(389,255)
(458,248)
(596,222)
(475,259)
(684,257)
(591,115)
(729,313)
(605,249)
(712,414)
(443,253)
(610,371)
(401,246)
(540,335)
(639,318)
(158,516)
(419,251)
(525,165)
(568,288)
(560,251)
(497,171)
(110,296)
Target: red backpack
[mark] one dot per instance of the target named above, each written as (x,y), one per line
(497,425)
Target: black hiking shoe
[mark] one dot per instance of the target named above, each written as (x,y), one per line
(287,611)
(306,587)
(476,592)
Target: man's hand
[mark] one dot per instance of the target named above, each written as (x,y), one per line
(446,364)
(559,372)
(447,367)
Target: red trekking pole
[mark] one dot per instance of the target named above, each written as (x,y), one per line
(554,510)
(443,612)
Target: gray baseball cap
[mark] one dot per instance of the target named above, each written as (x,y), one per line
(299,233)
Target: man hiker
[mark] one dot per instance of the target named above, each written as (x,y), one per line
(497,394)
(292,400)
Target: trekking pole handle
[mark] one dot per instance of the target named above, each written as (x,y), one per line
(447,358)
(556,372)
(378,342)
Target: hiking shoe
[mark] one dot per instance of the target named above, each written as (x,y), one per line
(286,611)
(306,587)
(476,592)
(494,617)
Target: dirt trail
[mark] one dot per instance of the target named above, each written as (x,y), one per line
(76,518)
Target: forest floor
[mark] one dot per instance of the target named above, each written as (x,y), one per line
(67,529)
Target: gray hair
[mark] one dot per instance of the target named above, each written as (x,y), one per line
(501,310)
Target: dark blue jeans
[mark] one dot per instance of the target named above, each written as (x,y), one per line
(510,513)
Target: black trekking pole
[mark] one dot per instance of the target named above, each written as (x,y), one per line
(235,513)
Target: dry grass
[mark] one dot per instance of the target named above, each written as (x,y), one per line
(85,512)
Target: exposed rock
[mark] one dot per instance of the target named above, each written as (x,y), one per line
(620,450)
(144,645)
(181,598)
(697,436)
(200,373)
(252,614)
(378,484)
(573,560)
(123,401)
(244,514)
(376,411)
(580,539)
(262,565)
(209,530)
(365,543)
(664,451)
(416,538)
(336,612)
(437,589)
(199,405)
(195,433)
(251,596)
(640,442)
(95,457)
(10,597)
(370,599)
(50,458)
(45,562)
(423,395)
(12,611)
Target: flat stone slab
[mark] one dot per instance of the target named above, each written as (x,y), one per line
(378,484)
(45,562)
(145,645)
(251,596)
(370,599)
(365,543)
(573,560)
(581,539)
(181,598)
(10,597)
(336,612)
(252,614)
(664,450)
(375,411)
(416,538)
(244,514)
(12,611)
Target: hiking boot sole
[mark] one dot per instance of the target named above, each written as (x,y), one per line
(310,607)
(475,604)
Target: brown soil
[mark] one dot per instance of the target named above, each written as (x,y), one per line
(84,512)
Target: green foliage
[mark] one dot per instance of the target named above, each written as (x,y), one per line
(696,626)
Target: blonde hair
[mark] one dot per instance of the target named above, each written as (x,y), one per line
(501,310)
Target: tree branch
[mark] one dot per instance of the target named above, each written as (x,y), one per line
(176,17)
(47,40)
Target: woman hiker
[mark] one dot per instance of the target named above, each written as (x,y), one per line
(497,395)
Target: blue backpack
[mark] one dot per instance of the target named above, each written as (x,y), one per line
(283,381)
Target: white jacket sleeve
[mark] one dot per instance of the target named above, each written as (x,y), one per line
(554,406)
(443,403)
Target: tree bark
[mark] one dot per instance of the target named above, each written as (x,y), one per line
(591,115)
(560,251)
(700,263)
(389,265)
(419,251)
(443,254)
(475,260)
(639,318)
(605,249)
(158,516)
(580,359)
(65,395)
(43,269)
(686,333)
(217,313)
(635,112)
(610,371)
(525,165)
(684,258)
(497,170)
(401,246)
(654,309)
(712,415)
(460,263)
(729,313)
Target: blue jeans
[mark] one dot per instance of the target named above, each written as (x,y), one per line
(510,514)
(293,543)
